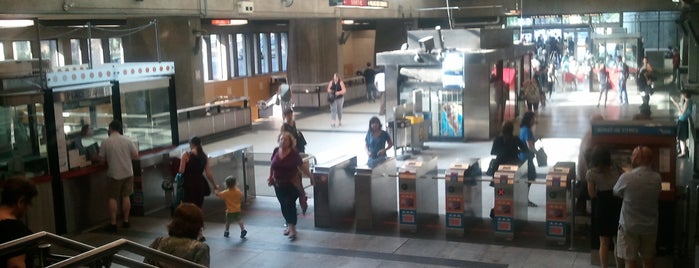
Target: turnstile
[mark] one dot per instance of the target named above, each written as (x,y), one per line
(558,182)
(238,162)
(333,193)
(417,193)
(376,195)
(463,202)
(510,198)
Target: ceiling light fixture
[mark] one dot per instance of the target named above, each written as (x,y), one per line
(16,23)
(233,22)
(347,22)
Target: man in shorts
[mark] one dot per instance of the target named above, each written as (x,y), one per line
(118,151)
(638,222)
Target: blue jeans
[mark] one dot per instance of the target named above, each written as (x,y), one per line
(623,96)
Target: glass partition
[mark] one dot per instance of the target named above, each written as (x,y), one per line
(22,137)
(145,111)
(86,120)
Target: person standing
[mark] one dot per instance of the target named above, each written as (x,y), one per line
(551,80)
(380,84)
(183,230)
(118,151)
(289,126)
(685,107)
(194,163)
(603,76)
(623,71)
(638,221)
(507,147)
(601,178)
(644,80)
(17,196)
(338,89)
(526,135)
(284,93)
(286,163)
(369,75)
(233,198)
(531,95)
(377,142)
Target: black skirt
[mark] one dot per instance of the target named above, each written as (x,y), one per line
(607,213)
(682,129)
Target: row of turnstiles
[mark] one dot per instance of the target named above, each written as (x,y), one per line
(369,198)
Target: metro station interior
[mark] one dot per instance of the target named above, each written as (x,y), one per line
(454,71)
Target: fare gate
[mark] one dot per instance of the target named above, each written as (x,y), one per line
(463,202)
(333,193)
(376,195)
(417,193)
(510,198)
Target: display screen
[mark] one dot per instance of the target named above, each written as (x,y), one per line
(453,71)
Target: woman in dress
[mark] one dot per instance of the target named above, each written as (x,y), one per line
(181,241)
(336,87)
(601,178)
(377,142)
(286,163)
(193,165)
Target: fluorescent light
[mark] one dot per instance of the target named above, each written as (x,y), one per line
(347,22)
(234,22)
(16,23)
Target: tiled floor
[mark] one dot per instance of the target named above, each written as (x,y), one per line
(561,125)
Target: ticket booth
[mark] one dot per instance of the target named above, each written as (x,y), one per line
(377,195)
(558,205)
(418,197)
(463,197)
(510,198)
(621,137)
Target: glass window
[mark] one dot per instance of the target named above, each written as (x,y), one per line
(2,51)
(205,57)
(242,55)
(284,43)
(273,45)
(219,67)
(22,50)
(116,50)
(49,51)
(76,54)
(264,53)
(233,56)
(147,115)
(22,141)
(96,52)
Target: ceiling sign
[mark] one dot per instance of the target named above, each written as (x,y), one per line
(359,3)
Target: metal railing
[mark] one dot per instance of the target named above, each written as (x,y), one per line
(101,256)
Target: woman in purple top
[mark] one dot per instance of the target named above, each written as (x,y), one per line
(286,163)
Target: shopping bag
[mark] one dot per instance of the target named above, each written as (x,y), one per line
(541,157)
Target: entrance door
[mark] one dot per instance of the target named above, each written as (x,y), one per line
(446,107)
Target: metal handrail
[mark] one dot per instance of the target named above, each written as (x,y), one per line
(93,254)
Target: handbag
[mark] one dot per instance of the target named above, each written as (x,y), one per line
(331,97)
(492,167)
(541,157)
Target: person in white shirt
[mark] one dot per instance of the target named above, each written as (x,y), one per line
(380,84)
(118,151)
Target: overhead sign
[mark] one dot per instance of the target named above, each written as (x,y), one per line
(359,3)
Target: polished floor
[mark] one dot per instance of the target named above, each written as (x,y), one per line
(562,123)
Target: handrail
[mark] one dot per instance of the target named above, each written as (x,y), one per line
(70,244)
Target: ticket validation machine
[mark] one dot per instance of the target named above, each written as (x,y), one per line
(510,200)
(418,197)
(463,202)
(558,182)
(333,193)
(376,195)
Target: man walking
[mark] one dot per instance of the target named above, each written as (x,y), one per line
(369,75)
(638,222)
(118,151)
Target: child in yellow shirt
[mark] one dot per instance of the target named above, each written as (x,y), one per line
(233,197)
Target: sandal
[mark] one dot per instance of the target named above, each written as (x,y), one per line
(292,237)
(286,231)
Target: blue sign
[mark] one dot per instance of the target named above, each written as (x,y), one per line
(633,130)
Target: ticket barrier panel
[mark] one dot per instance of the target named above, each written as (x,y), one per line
(417,193)
(376,195)
(510,198)
(333,193)
(557,203)
(238,162)
(463,197)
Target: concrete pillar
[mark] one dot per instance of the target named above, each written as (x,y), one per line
(176,43)
(314,50)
